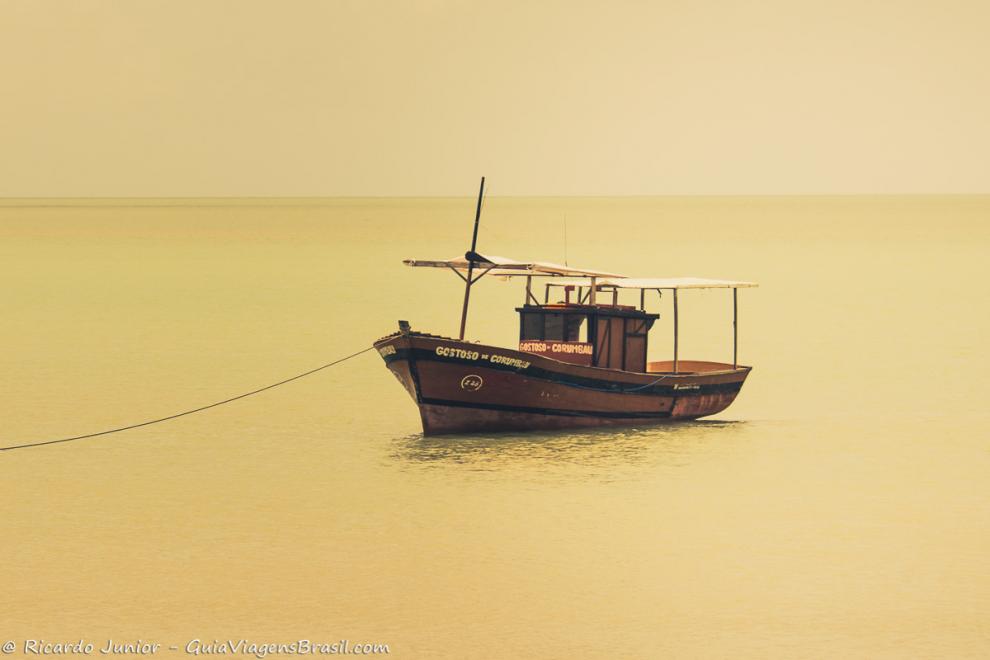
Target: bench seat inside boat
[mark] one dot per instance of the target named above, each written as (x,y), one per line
(686,367)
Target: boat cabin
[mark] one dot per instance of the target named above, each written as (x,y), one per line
(609,336)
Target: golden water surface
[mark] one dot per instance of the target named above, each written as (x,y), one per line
(839,509)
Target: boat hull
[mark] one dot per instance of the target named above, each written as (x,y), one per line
(461,387)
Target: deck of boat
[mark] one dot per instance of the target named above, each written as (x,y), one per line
(688,367)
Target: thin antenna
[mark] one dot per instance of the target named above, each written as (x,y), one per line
(565,240)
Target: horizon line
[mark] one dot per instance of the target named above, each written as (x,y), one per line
(302,200)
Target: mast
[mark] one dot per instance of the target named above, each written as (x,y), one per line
(470,259)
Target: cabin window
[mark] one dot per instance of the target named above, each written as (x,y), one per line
(577,328)
(554,327)
(562,327)
(532,326)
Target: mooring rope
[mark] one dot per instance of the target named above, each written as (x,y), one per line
(189,412)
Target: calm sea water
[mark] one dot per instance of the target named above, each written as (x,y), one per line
(839,509)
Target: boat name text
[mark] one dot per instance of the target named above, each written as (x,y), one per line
(512,362)
(474,356)
(555,347)
(447,351)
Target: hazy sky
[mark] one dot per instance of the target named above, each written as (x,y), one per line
(299,98)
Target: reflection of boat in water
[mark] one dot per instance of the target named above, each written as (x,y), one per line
(580,362)
(673,444)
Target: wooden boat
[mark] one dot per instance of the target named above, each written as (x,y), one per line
(580,361)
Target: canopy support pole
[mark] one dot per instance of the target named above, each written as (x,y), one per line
(474,244)
(594,285)
(675,331)
(735,328)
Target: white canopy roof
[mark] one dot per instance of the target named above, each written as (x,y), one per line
(510,267)
(659,283)
(674,283)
